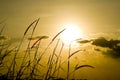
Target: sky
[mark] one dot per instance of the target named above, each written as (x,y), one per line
(92,16)
(97,19)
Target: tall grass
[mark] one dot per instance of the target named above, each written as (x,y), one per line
(27,52)
(30,64)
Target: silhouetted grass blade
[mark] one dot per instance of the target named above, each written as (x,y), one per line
(2,29)
(42,37)
(57,35)
(82,66)
(30,26)
(74,53)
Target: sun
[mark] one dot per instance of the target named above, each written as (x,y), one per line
(71,33)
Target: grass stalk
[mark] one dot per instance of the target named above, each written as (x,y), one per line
(58,60)
(28,46)
(68,61)
(40,57)
(51,61)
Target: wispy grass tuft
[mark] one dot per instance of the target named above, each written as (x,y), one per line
(30,64)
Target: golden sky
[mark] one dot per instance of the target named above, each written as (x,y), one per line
(92,16)
(95,18)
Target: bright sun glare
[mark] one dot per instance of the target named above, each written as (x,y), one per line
(71,33)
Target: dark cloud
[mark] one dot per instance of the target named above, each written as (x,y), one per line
(102,42)
(83,41)
(111,44)
(97,49)
(112,53)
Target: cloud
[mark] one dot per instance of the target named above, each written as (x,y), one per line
(112,53)
(83,41)
(102,42)
(97,49)
(113,45)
